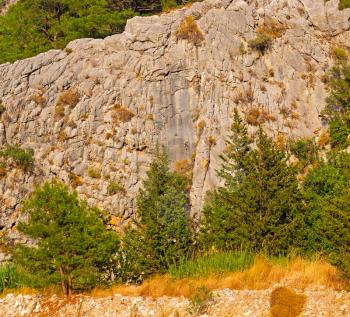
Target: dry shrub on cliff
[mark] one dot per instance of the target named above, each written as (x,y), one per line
(272,28)
(323,140)
(69,97)
(39,99)
(285,302)
(185,168)
(189,30)
(121,114)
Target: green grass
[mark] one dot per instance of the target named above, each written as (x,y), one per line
(10,277)
(218,263)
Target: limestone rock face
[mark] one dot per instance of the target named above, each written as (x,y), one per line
(94,111)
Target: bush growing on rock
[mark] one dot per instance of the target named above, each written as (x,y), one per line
(72,247)
(23,158)
(261,43)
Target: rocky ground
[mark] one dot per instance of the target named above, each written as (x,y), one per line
(224,303)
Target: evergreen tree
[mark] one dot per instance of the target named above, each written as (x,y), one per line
(73,246)
(260,206)
(161,235)
(328,195)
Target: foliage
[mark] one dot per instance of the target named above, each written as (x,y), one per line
(9,277)
(337,109)
(72,247)
(328,196)
(222,262)
(261,43)
(114,188)
(2,109)
(260,206)
(200,300)
(306,150)
(339,133)
(161,234)
(22,157)
(344,4)
(285,302)
(34,26)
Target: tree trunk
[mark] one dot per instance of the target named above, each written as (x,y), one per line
(69,285)
(63,285)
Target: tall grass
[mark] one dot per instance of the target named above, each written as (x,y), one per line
(217,263)
(263,273)
(10,277)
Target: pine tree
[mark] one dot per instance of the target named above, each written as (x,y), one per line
(260,206)
(161,235)
(73,246)
(328,195)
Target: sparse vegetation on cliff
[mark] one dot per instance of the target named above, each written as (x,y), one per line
(23,158)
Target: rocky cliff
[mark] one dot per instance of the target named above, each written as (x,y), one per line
(94,111)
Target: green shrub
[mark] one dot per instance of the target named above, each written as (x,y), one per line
(74,249)
(339,133)
(114,188)
(344,4)
(94,172)
(306,150)
(22,157)
(261,43)
(9,277)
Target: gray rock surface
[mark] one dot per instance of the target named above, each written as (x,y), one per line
(101,105)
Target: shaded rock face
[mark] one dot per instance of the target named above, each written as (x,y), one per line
(94,111)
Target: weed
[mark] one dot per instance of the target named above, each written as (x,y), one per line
(2,108)
(200,127)
(273,28)
(69,97)
(185,168)
(75,180)
(339,53)
(121,114)
(23,158)
(39,99)
(2,170)
(242,49)
(94,172)
(323,139)
(59,111)
(285,302)
(261,43)
(114,188)
(188,30)
(200,300)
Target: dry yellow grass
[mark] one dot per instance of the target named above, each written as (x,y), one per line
(298,273)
